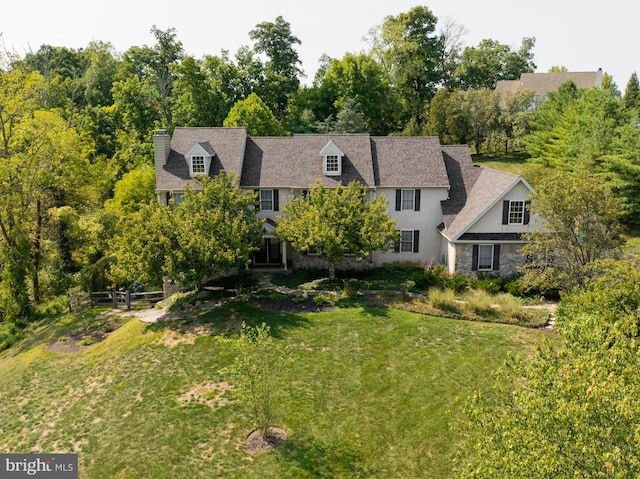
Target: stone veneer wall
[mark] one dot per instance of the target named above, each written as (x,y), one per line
(316,261)
(510,258)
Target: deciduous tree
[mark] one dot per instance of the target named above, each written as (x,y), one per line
(337,221)
(579,225)
(572,410)
(255,116)
(213,231)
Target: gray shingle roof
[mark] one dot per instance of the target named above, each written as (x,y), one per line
(295,161)
(409,161)
(543,83)
(227,143)
(473,190)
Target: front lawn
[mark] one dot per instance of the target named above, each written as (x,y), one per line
(370,392)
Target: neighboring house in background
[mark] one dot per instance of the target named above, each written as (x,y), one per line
(543,83)
(447,209)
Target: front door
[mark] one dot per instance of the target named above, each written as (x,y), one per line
(269,254)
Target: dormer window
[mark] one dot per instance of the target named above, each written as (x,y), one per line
(332,164)
(332,159)
(197,164)
(199,159)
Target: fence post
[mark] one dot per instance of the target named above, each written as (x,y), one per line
(115,299)
(128,298)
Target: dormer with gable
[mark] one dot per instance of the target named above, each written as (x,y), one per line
(199,159)
(332,159)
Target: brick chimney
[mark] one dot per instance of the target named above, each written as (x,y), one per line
(161,148)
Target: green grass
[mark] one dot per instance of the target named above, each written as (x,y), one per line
(513,163)
(371,393)
(632,241)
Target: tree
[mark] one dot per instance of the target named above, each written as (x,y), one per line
(360,78)
(570,411)
(579,225)
(515,117)
(632,92)
(337,221)
(490,61)
(43,184)
(276,41)
(213,231)
(255,116)
(195,103)
(350,118)
(134,189)
(412,53)
(591,131)
(258,358)
(483,111)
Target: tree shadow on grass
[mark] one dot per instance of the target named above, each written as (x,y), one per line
(228,319)
(317,459)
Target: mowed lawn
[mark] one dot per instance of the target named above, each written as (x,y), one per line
(371,393)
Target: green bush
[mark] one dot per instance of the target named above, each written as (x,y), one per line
(10,334)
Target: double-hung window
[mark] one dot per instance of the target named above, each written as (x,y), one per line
(266,200)
(409,241)
(516,212)
(408,200)
(485,257)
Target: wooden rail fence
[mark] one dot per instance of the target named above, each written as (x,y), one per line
(117,299)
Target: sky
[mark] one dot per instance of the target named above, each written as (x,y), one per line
(582,35)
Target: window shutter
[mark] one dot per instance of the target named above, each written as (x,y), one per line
(259,204)
(396,245)
(505,212)
(496,257)
(416,238)
(398,199)
(417,200)
(474,258)
(527,215)
(167,198)
(276,201)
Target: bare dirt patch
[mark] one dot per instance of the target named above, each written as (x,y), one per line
(86,335)
(186,334)
(256,442)
(208,393)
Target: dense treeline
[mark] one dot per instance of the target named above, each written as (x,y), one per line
(76,127)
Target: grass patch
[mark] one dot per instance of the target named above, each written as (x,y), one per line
(632,241)
(370,392)
(514,163)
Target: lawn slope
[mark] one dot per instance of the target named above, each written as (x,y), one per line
(368,393)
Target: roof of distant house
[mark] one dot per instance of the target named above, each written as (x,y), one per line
(543,83)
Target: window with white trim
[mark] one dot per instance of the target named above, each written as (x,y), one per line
(516,212)
(197,165)
(406,241)
(485,257)
(408,200)
(331,164)
(266,200)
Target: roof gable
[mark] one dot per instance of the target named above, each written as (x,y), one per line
(475,190)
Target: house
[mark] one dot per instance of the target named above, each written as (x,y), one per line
(543,83)
(447,210)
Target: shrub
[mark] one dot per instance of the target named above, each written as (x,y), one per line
(10,334)
(490,284)
(444,299)
(479,301)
